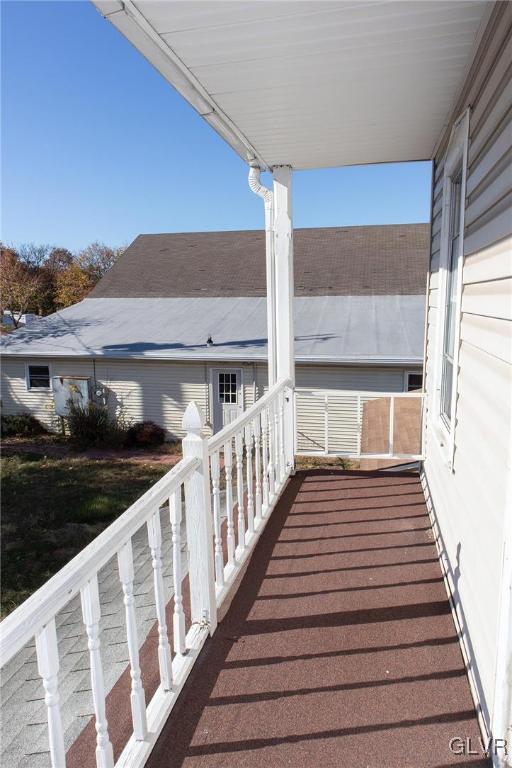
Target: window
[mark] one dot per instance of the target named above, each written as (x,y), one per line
(451,259)
(228,390)
(450,316)
(38,377)
(413,382)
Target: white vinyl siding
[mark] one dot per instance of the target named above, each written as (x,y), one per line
(470,502)
(17,397)
(140,390)
(160,391)
(343,416)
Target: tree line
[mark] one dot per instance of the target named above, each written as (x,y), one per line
(43,278)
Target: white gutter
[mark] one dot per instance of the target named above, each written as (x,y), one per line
(268,199)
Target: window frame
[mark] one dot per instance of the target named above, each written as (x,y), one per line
(413,373)
(455,164)
(28,366)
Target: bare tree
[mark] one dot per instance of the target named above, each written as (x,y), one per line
(32,255)
(97,259)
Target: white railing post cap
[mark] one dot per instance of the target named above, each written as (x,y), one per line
(193,419)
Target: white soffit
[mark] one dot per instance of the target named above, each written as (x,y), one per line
(312,83)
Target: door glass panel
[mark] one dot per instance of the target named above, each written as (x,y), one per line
(228,390)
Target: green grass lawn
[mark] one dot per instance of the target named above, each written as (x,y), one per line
(52,508)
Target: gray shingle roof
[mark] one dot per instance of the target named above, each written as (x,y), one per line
(329,261)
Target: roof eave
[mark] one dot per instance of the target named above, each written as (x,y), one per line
(222,357)
(128,19)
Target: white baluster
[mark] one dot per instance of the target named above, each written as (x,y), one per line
(250,479)
(277,443)
(179,615)
(92,613)
(271,452)
(228,469)
(164,648)
(264,440)
(137,697)
(282,457)
(219,559)
(257,469)
(239,451)
(48,666)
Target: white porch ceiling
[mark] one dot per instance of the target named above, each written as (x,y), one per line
(312,83)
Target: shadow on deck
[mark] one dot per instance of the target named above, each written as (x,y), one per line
(339,648)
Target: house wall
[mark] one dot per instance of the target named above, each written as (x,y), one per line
(160,391)
(144,390)
(470,498)
(343,431)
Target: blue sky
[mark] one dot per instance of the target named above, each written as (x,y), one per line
(97,146)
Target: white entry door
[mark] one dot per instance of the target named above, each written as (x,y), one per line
(227,396)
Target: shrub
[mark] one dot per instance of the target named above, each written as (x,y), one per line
(92,426)
(145,434)
(21,424)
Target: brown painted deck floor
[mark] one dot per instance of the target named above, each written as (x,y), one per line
(339,648)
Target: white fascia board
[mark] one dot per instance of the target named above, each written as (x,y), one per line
(129,20)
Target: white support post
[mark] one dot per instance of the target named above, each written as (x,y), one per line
(198,518)
(164,648)
(219,557)
(91,612)
(228,470)
(271,452)
(137,697)
(284,285)
(359,426)
(48,667)
(265,460)
(178,619)
(391,424)
(250,479)
(326,424)
(239,453)
(256,425)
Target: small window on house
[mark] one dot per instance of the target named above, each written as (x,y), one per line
(38,377)
(228,392)
(450,316)
(414,382)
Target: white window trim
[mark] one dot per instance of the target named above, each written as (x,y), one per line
(27,377)
(413,373)
(456,156)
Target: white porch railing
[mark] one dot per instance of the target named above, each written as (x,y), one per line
(358,424)
(256,448)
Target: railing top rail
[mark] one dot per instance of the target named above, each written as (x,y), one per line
(356,392)
(22,624)
(230,430)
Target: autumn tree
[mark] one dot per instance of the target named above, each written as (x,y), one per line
(72,285)
(57,261)
(19,284)
(44,278)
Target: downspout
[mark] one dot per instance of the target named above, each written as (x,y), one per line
(268,199)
